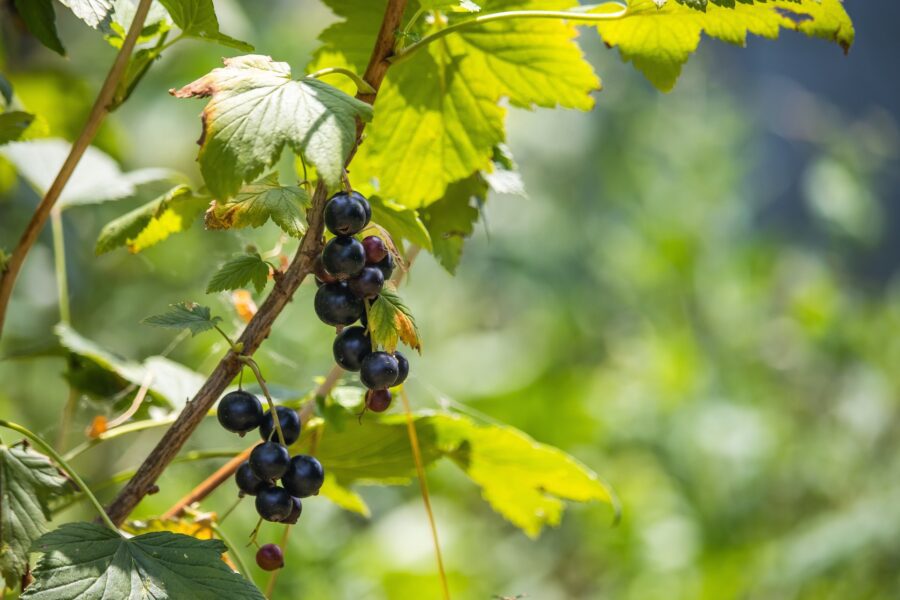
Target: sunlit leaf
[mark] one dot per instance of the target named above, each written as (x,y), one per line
(257,203)
(197,18)
(238,272)
(185,315)
(92,12)
(391,321)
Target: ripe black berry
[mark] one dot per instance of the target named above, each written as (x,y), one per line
(239,412)
(290,425)
(304,477)
(378,400)
(336,305)
(269,557)
(295,512)
(321,272)
(387,266)
(375,249)
(403,367)
(344,257)
(247,481)
(368,283)
(347,214)
(351,346)
(379,371)
(274,504)
(269,460)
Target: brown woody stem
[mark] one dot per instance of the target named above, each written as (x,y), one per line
(261,325)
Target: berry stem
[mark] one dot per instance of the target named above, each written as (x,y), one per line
(423,487)
(232,549)
(360,83)
(230,510)
(61,462)
(254,533)
(273,578)
(262,383)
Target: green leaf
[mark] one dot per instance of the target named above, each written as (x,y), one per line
(101,373)
(96,179)
(658,41)
(89,562)
(343,497)
(153,222)
(256,108)
(257,203)
(391,321)
(27,481)
(18,125)
(41,22)
(523,480)
(455,5)
(185,315)
(92,12)
(197,18)
(123,13)
(452,219)
(238,272)
(399,221)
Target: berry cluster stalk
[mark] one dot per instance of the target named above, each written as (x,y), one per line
(261,324)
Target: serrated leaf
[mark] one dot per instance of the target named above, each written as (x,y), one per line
(123,13)
(255,108)
(199,529)
(197,18)
(257,203)
(659,40)
(92,12)
(27,481)
(238,272)
(40,19)
(153,222)
(452,219)
(90,562)
(526,482)
(103,374)
(390,321)
(97,178)
(504,177)
(185,315)
(399,221)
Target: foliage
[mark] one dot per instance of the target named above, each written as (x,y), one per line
(185,315)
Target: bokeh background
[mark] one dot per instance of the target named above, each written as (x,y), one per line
(699,299)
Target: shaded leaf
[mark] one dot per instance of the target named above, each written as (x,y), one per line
(18,125)
(256,108)
(197,18)
(27,481)
(238,272)
(257,203)
(391,321)
(185,315)
(452,219)
(400,222)
(90,562)
(40,19)
(153,222)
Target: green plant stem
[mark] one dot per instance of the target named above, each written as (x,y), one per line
(98,113)
(262,383)
(60,461)
(361,85)
(568,15)
(273,578)
(59,262)
(116,432)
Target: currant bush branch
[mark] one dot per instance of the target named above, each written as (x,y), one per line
(101,108)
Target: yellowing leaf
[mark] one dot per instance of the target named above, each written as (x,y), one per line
(391,321)
(255,108)
(659,40)
(257,203)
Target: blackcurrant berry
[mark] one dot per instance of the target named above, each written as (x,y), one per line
(368,283)
(290,425)
(304,477)
(403,367)
(351,346)
(347,213)
(387,266)
(379,371)
(269,557)
(295,512)
(344,257)
(378,400)
(321,272)
(247,481)
(269,460)
(375,249)
(336,305)
(274,504)
(239,412)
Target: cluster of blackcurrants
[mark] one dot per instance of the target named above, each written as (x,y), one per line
(349,273)
(301,476)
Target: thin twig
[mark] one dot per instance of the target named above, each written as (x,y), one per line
(262,383)
(423,487)
(98,114)
(260,325)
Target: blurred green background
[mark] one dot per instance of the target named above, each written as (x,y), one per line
(698,299)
